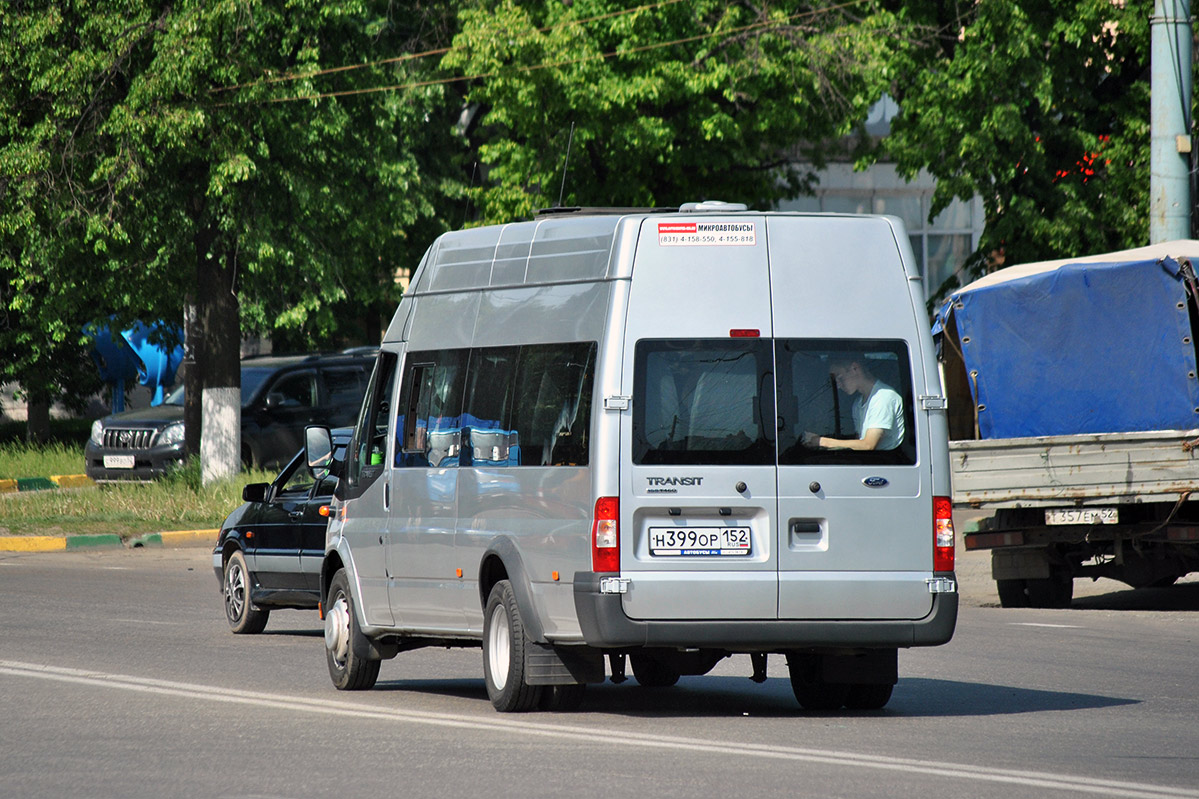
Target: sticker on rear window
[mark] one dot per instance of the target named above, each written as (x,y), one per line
(707,234)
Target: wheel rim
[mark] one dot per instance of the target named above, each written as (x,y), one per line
(235,591)
(499,647)
(337,630)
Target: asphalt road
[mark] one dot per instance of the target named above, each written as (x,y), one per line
(119,678)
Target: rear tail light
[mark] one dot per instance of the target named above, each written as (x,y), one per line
(605,535)
(942,534)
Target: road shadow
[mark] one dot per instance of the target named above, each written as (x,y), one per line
(1181,597)
(921,696)
(712,697)
(314,632)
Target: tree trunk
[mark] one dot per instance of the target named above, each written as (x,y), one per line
(217,360)
(192,379)
(37,420)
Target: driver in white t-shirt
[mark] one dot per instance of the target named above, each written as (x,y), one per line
(877,411)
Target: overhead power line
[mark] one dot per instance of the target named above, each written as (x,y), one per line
(764,25)
(439,51)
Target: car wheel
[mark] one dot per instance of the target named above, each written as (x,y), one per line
(810,691)
(653,673)
(504,653)
(346,647)
(243,617)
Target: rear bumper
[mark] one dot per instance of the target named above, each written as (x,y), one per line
(606,626)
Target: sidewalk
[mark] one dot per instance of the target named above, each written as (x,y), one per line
(9,486)
(53,543)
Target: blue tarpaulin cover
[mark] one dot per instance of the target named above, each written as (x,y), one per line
(1096,347)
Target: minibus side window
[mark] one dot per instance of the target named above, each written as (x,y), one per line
(703,402)
(832,393)
(370,434)
(488,439)
(552,403)
(429,413)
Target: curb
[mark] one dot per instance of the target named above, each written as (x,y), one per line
(10,486)
(58,543)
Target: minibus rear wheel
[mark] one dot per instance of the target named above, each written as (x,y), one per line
(504,653)
(652,672)
(812,692)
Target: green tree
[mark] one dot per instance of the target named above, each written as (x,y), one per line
(669,101)
(1042,109)
(206,150)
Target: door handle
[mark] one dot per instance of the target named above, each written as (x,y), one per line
(386,496)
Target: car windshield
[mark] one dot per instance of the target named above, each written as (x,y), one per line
(252,379)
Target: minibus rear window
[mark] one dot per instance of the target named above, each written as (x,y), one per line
(834,392)
(703,401)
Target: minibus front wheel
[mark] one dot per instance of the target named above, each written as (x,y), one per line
(346,648)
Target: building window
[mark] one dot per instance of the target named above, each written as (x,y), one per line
(941,246)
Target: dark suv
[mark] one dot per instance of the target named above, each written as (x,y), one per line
(280,396)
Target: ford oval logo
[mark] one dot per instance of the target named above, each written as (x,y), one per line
(875,482)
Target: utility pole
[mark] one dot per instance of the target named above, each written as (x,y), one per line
(1170,122)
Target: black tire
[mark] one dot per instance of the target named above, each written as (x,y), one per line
(868,696)
(346,648)
(811,692)
(1055,591)
(1012,593)
(653,673)
(504,653)
(562,698)
(243,617)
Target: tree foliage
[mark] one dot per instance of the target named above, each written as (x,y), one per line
(669,101)
(1042,109)
(278,160)
(153,151)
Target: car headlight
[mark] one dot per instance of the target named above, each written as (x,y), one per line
(97,432)
(171,434)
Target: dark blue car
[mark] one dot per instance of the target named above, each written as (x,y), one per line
(268,555)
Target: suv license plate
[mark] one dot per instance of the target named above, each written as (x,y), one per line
(118,461)
(667,542)
(1082,516)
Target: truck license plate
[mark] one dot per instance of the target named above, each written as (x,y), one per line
(118,461)
(698,541)
(1082,516)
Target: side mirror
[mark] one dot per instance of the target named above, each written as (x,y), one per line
(255,492)
(318,447)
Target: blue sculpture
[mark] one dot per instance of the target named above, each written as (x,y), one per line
(157,363)
(133,355)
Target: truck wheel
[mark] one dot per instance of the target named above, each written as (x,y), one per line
(653,673)
(868,696)
(1054,591)
(243,617)
(811,692)
(1012,593)
(504,653)
(345,645)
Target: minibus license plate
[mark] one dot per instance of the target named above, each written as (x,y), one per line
(1082,516)
(118,461)
(698,541)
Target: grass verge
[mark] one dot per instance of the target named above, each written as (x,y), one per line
(177,502)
